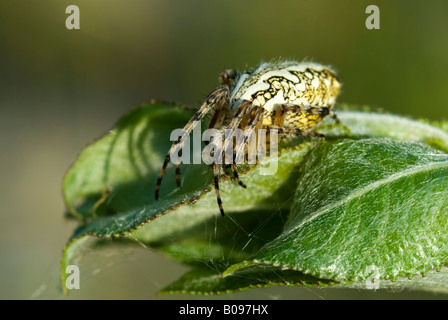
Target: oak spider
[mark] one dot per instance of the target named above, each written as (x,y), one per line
(291,97)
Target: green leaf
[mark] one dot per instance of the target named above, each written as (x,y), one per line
(117,173)
(110,188)
(362,207)
(382,125)
(127,162)
(202,281)
(205,281)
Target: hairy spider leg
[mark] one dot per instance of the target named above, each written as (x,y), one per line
(307,112)
(216,171)
(245,109)
(217,99)
(298,120)
(255,113)
(297,132)
(237,177)
(242,110)
(334,117)
(216,121)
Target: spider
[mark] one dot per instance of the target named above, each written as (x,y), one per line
(290,97)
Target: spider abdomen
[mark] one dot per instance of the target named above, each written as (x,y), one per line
(287,83)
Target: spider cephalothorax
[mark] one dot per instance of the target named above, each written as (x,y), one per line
(289,97)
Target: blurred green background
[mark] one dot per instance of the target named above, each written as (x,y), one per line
(60,89)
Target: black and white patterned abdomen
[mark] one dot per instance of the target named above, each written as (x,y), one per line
(290,83)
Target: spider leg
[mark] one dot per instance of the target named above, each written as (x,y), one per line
(321,111)
(297,132)
(216,172)
(248,110)
(178,183)
(311,113)
(299,120)
(335,117)
(236,176)
(217,99)
(242,110)
(255,115)
(338,122)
